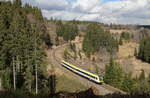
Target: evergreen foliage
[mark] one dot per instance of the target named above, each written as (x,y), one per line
(114,74)
(20,39)
(144,50)
(67,31)
(60,29)
(128,83)
(72,46)
(96,39)
(142,75)
(120,41)
(135,52)
(126,36)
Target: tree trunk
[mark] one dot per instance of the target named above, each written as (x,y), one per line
(0,84)
(18,64)
(14,74)
(36,77)
(28,64)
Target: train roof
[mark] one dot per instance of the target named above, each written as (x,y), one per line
(80,69)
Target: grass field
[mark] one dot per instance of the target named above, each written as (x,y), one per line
(113,31)
(65,83)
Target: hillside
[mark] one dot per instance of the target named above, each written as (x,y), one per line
(98,60)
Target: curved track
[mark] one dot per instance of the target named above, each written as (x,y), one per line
(103,89)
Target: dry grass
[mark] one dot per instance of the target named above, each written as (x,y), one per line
(126,59)
(127,50)
(113,31)
(129,62)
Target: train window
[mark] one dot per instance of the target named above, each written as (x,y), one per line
(80,71)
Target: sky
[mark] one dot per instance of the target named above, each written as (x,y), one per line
(106,11)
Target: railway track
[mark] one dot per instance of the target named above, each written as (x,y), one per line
(102,89)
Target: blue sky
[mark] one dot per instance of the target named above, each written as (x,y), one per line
(71,0)
(107,11)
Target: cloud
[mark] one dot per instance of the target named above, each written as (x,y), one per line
(112,11)
(49,4)
(84,5)
(65,15)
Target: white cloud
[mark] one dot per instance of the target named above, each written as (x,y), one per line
(66,15)
(85,5)
(49,4)
(124,11)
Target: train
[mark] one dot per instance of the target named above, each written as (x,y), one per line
(91,76)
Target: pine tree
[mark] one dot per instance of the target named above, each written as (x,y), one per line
(135,52)
(17,3)
(144,86)
(96,39)
(120,41)
(142,75)
(114,74)
(60,28)
(28,79)
(128,83)
(144,48)
(17,61)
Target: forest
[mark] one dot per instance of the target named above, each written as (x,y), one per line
(68,31)
(115,76)
(22,60)
(97,39)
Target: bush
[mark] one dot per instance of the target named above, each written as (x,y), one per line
(126,36)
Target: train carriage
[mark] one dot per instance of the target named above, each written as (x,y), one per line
(82,72)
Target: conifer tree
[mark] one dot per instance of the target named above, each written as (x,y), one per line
(142,75)
(114,74)
(17,44)
(144,48)
(120,41)
(135,52)
(96,39)
(128,83)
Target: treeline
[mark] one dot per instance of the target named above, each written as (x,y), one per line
(97,39)
(116,77)
(33,10)
(144,50)
(68,31)
(22,64)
